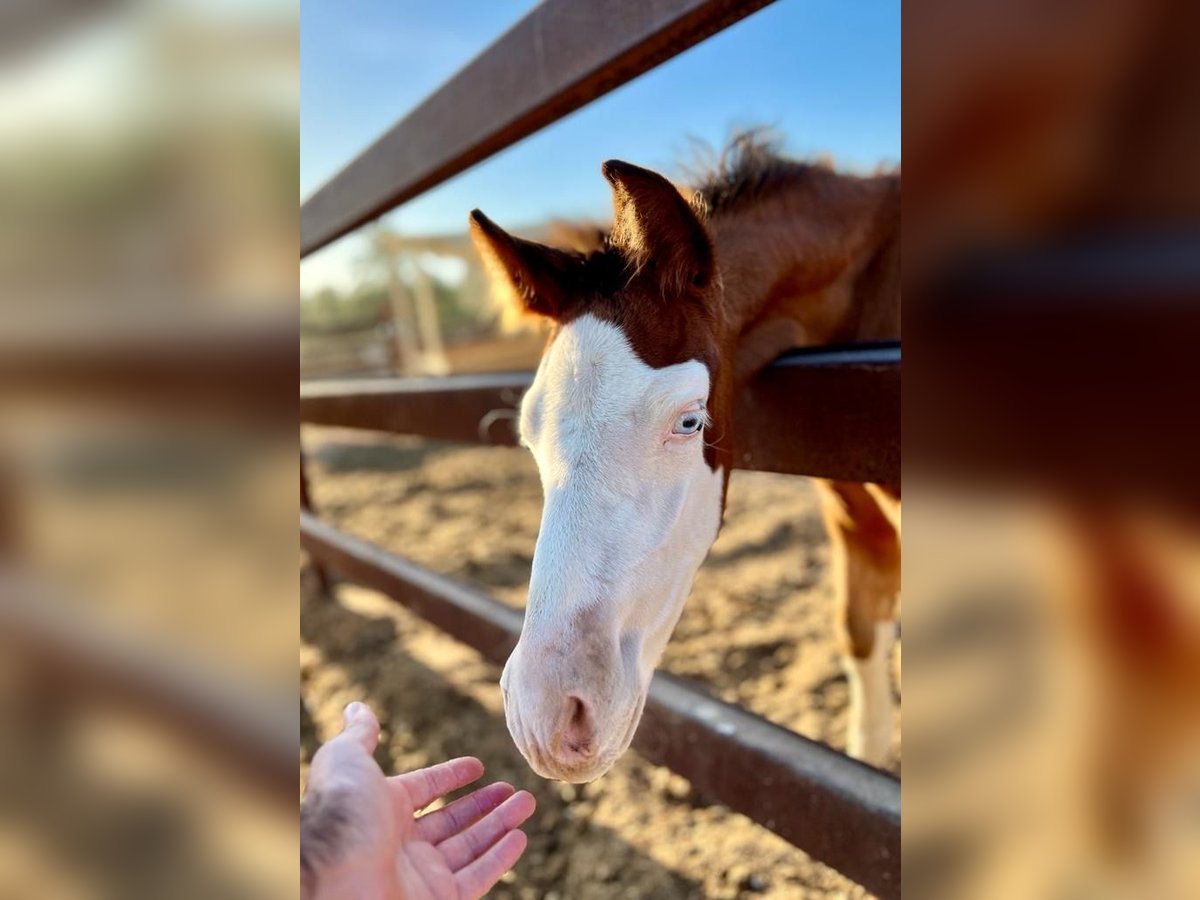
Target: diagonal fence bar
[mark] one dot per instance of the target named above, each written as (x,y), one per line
(838,810)
(79,655)
(558,58)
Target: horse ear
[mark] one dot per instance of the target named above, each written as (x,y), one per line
(657,229)
(533,277)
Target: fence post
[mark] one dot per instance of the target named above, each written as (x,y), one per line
(319,572)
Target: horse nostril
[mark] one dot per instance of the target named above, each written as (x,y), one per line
(578,735)
(578,712)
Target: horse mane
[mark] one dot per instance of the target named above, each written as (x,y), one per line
(750,165)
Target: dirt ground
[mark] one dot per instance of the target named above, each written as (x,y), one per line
(756,631)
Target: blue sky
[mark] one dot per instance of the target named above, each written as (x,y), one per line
(825,73)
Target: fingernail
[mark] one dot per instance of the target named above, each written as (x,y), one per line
(353,711)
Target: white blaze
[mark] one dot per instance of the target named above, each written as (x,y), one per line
(630,511)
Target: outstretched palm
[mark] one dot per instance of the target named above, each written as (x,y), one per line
(382,849)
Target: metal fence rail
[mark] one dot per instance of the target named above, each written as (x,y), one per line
(561,56)
(206,365)
(842,812)
(79,657)
(827,412)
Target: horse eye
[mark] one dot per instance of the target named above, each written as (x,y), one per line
(689,423)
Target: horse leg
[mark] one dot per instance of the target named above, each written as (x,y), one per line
(866,564)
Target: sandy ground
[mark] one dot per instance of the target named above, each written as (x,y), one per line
(757,631)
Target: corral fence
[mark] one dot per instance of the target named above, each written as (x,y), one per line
(839,408)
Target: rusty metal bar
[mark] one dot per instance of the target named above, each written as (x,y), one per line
(832,412)
(1066,366)
(206,366)
(465,408)
(838,810)
(829,412)
(81,655)
(558,58)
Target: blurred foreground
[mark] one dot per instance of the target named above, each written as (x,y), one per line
(148,163)
(1052,546)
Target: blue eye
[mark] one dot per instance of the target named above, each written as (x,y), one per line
(689,422)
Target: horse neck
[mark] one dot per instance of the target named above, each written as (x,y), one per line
(810,263)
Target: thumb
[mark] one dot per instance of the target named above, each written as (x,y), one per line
(361,726)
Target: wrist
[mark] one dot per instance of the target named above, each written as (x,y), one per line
(333,864)
(346,883)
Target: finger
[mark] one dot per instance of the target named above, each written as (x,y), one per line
(477,879)
(450,820)
(469,845)
(423,786)
(361,726)
(351,750)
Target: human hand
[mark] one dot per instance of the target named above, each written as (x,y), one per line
(360,838)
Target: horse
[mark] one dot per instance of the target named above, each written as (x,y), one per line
(655,328)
